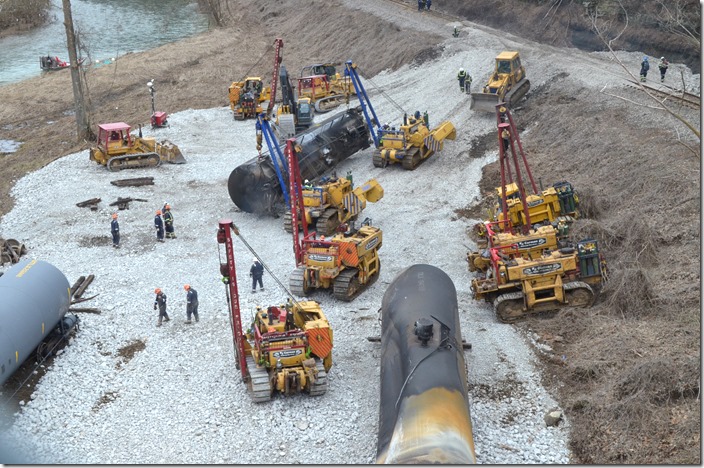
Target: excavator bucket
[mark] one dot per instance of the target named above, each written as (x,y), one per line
(484,102)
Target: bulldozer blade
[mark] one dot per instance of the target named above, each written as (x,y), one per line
(171,153)
(484,102)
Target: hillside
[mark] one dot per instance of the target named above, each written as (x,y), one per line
(626,372)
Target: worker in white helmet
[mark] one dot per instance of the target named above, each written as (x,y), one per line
(256,272)
(462,76)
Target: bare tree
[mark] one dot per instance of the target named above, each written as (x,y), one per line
(84,131)
(601,32)
(681,18)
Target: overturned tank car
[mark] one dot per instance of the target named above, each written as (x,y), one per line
(254,186)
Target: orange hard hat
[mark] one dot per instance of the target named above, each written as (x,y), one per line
(114,216)
(186,287)
(157,290)
(158,212)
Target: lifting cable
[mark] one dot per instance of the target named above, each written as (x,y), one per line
(383,93)
(256,255)
(271,46)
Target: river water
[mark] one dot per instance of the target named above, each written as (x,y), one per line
(107,29)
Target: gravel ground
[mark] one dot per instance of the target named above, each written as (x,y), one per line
(180,400)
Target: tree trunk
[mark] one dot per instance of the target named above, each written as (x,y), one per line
(82,120)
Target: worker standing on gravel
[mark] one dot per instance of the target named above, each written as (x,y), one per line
(169,222)
(256,272)
(663,68)
(644,67)
(462,77)
(191,303)
(160,302)
(115,230)
(159,226)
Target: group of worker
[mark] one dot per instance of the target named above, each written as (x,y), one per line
(165,225)
(424,4)
(645,66)
(191,304)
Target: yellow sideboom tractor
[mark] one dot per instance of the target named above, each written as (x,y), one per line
(246,97)
(286,349)
(519,286)
(348,262)
(334,202)
(117,149)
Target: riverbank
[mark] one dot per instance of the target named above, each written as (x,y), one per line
(19,16)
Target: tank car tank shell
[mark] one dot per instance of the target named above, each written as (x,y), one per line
(423,409)
(35,297)
(254,186)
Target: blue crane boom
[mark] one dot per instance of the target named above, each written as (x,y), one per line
(351,71)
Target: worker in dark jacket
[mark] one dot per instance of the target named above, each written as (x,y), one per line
(256,272)
(115,230)
(644,67)
(169,222)
(191,303)
(159,226)
(160,302)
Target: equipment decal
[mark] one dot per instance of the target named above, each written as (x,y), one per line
(320,258)
(287,353)
(542,269)
(531,243)
(537,202)
(371,243)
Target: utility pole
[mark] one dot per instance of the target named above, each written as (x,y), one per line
(82,120)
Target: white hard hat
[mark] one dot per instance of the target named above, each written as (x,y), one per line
(662,58)
(461,69)
(306,181)
(254,259)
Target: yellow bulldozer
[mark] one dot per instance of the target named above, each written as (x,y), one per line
(288,350)
(324,86)
(117,149)
(246,97)
(412,143)
(520,286)
(347,262)
(333,202)
(508,83)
